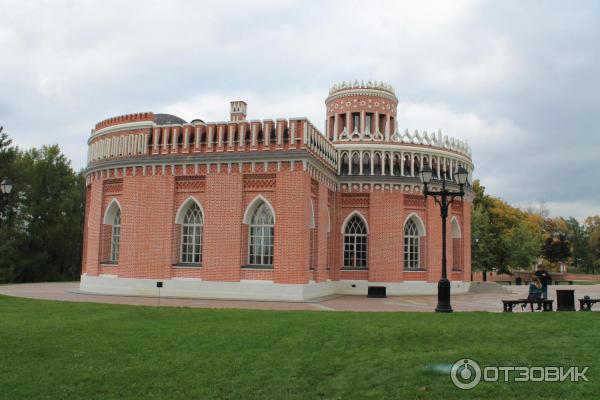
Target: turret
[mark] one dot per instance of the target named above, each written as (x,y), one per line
(238,111)
(361,111)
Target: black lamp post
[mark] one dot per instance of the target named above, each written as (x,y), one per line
(5,188)
(444,198)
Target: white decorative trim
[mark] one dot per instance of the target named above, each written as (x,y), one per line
(353,213)
(254,204)
(418,221)
(180,215)
(110,212)
(456,232)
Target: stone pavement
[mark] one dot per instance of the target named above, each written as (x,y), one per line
(66,291)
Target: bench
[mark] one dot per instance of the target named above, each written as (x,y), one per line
(557,282)
(586,303)
(546,305)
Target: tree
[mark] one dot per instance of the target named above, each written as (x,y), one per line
(483,255)
(493,231)
(581,250)
(593,228)
(42,237)
(524,242)
(556,249)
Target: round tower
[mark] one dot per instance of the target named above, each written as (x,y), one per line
(361,111)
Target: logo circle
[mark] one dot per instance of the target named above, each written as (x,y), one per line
(465,374)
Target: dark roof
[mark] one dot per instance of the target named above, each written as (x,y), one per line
(166,119)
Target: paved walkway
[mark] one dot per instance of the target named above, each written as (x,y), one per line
(64,291)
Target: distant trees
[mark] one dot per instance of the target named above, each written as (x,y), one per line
(503,237)
(42,226)
(506,238)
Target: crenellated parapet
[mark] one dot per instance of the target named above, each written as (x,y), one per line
(423,138)
(361,139)
(266,138)
(352,85)
(123,119)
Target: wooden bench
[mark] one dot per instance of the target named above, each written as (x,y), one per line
(546,305)
(586,303)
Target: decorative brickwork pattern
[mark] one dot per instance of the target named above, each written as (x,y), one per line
(259,182)
(190,184)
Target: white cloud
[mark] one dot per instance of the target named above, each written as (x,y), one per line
(524,94)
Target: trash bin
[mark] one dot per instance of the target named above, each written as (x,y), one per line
(518,281)
(565,300)
(376,291)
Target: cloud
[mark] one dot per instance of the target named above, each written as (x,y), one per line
(518,80)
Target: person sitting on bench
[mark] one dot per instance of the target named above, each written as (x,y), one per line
(535,291)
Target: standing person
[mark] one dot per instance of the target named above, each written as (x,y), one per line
(544,278)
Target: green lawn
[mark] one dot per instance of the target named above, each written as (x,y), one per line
(60,350)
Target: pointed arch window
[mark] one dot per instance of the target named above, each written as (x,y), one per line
(412,246)
(355,243)
(261,238)
(457,259)
(191,236)
(115,237)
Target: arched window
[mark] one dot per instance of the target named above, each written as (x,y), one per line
(355,243)
(261,238)
(397,163)
(377,164)
(412,246)
(366,164)
(456,245)
(191,235)
(345,164)
(115,237)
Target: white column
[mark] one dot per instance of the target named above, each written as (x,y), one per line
(335,127)
(363,123)
(348,123)
(360,165)
(372,163)
(402,164)
(412,164)
(376,124)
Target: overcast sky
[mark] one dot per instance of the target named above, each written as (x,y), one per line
(519,80)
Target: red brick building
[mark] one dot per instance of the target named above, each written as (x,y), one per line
(272,209)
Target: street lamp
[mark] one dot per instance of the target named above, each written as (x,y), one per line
(444,198)
(5,188)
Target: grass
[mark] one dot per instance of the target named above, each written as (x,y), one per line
(62,350)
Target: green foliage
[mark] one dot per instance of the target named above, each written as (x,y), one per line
(41,232)
(556,249)
(524,244)
(504,237)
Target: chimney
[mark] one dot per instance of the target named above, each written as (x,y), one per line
(238,111)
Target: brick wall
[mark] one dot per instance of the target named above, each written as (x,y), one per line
(150,237)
